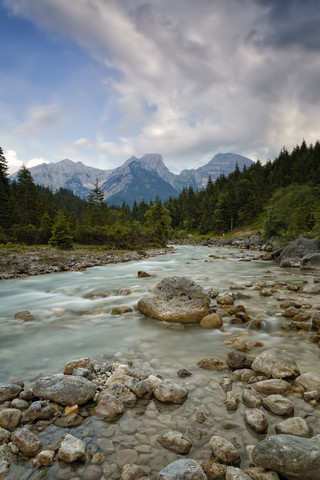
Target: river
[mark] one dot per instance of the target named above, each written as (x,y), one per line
(72,319)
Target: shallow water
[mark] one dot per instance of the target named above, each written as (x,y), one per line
(68,326)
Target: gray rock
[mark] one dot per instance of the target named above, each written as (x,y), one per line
(295,251)
(310,262)
(275,363)
(183,373)
(250,397)
(39,410)
(294,426)
(141,388)
(184,469)
(224,451)
(122,393)
(256,419)
(260,473)
(174,440)
(168,392)
(72,449)
(81,363)
(8,391)
(278,404)
(234,473)
(176,299)
(4,468)
(65,389)
(82,372)
(312,288)
(231,401)
(310,381)
(295,458)
(27,442)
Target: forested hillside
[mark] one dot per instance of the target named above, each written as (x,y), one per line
(281,198)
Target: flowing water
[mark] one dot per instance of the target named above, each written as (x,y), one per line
(72,319)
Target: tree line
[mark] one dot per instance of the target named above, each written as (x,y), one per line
(281,197)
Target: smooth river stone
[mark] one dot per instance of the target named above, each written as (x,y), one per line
(275,363)
(310,381)
(65,389)
(272,386)
(295,458)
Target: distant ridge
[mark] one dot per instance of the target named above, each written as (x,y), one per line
(137,179)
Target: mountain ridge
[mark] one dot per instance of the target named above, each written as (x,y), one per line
(124,183)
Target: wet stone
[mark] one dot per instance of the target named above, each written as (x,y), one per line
(9,391)
(224,450)
(72,449)
(10,418)
(184,469)
(256,419)
(294,426)
(174,440)
(278,404)
(251,398)
(26,441)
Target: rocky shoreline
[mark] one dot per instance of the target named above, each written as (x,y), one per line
(102,420)
(20,263)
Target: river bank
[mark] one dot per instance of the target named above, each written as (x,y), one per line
(40,260)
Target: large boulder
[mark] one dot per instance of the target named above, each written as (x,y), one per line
(295,458)
(176,299)
(292,255)
(275,363)
(65,389)
(310,262)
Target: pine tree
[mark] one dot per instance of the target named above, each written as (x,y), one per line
(61,236)
(4,191)
(97,208)
(27,198)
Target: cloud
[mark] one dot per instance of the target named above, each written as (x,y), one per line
(41,118)
(191,78)
(36,161)
(14,163)
(80,142)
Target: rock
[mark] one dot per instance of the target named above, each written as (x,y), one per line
(26,441)
(295,458)
(142,388)
(294,426)
(213,320)
(256,419)
(251,398)
(311,395)
(39,410)
(10,418)
(82,372)
(131,472)
(121,310)
(290,303)
(4,468)
(212,364)
(278,404)
(292,255)
(290,312)
(123,394)
(174,440)
(25,315)
(234,473)
(142,274)
(224,450)
(65,389)
(225,298)
(168,392)
(93,472)
(226,384)
(272,386)
(310,381)
(81,363)
(72,449)
(214,471)
(19,404)
(46,457)
(176,299)
(260,473)
(232,401)
(184,469)
(4,436)
(183,373)
(238,360)
(109,408)
(265,292)
(316,323)
(275,363)
(68,421)
(8,391)
(312,288)
(310,262)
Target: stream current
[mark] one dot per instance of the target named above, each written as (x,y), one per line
(72,319)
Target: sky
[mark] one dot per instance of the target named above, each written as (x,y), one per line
(98,81)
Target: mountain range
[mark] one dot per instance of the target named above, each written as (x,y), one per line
(137,179)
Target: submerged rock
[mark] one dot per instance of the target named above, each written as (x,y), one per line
(224,450)
(175,441)
(176,299)
(295,458)
(168,392)
(72,449)
(184,469)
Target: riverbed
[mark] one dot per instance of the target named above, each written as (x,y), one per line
(73,319)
